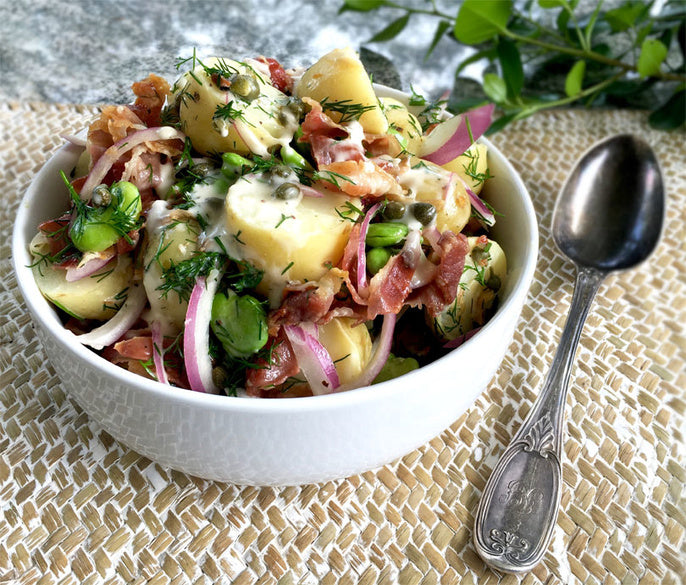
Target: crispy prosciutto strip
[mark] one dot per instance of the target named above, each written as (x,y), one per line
(439,292)
(281,365)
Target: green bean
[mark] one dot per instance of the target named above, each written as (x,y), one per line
(385,234)
(377,259)
(234,165)
(239,323)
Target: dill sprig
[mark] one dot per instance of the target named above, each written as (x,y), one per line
(348,109)
(180,277)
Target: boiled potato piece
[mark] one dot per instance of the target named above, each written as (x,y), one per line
(402,121)
(292,239)
(349,345)
(484,274)
(339,76)
(474,160)
(430,183)
(173,241)
(98,296)
(246,126)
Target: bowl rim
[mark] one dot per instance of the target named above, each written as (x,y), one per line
(350,398)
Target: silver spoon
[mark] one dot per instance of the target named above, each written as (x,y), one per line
(608,217)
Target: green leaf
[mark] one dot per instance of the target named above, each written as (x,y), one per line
(495,87)
(672,114)
(653,53)
(477,21)
(443,26)
(511,64)
(575,78)
(500,123)
(625,17)
(392,30)
(362,5)
(548,4)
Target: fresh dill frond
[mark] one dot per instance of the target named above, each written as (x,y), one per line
(180,277)
(348,109)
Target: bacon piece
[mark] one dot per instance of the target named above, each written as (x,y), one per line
(365,179)
(329,141)
(136,348)
(279,78)
(151,94)
(57,233)
(437,294)
(389,287)
(310,304)
(268,374)
(114,123)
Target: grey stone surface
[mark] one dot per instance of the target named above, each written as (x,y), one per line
(83,51)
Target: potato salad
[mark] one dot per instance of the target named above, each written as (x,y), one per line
(253,230)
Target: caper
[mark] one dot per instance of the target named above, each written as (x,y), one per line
(385,234)
(394,210)
(287,191)
(282,171)
(298,107)
(377,259)
(202,169)
(480,256)
(101,196)
(494,282)
(424,213)
(245,87)
(219,376)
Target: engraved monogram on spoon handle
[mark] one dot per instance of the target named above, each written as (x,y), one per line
(518,509)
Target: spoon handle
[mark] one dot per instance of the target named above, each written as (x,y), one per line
(518,509)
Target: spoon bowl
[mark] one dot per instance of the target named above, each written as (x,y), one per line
(608,217)
(610,211)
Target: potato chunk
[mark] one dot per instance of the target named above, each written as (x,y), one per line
(98,296)
(290,239)
(402,123)
(471,164)
(171,242)
(349,345)
(339,76)
(484,274)
(216,120)
(430,183)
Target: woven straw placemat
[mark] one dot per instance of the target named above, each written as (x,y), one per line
(77,507)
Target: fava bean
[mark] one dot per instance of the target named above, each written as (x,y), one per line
(234,164)
(377,259)
(385,234)
(239,322)
(395,367)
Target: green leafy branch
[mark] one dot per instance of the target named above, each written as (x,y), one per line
(622,57)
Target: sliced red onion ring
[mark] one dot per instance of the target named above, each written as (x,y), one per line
(308,191)
(313,358)
(380,353)
(158,352)
(75,140)
(458,341)
(481,208)
(89,264)
(361,256)
(462,136)
(115,152)
(112,331)
(196,334)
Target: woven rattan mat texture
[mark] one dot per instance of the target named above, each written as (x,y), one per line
(77,507)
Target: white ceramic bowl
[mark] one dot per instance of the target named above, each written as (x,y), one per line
(289,441)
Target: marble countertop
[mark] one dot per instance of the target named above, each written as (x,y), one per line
(90,51)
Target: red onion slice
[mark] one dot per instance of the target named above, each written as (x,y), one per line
(458,341)
(115,152)
(158,352)
(462,136)
(196,334)
(313,358)
(112,331)
(380,352)
(89,264)
(361,256)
